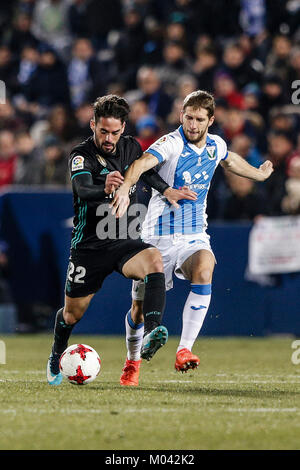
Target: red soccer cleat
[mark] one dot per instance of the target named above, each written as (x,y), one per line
(186,360)
(131,371)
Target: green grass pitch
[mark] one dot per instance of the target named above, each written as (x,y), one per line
(244,396)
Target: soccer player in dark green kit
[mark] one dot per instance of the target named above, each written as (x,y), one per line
(100,244)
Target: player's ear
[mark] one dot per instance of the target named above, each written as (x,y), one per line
(123,127)
(181,116)
(211,120)
(92,124)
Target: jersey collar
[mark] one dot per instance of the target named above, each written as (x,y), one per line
(194,148)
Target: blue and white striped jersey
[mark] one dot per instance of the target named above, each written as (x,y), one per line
(183,164)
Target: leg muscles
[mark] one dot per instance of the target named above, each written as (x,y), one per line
(199,267)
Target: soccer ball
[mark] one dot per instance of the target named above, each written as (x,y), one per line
(80,364)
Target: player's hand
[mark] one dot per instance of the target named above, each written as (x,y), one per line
(173,195)
(120,202)
(113,181)
(266,169)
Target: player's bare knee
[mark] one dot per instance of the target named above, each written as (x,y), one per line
(72,316)
(155,265)
(202,276)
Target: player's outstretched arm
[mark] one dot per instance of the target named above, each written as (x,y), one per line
(138,168)
(132,175)
(238,165)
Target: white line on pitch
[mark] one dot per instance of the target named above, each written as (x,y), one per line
(85,411)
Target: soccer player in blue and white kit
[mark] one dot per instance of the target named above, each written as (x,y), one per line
(188,157)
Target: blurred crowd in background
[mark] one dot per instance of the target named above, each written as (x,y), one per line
(57,56)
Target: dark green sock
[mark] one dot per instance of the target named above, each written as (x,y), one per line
(62,333)
(154,300)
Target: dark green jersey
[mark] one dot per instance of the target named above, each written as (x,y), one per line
(94,225)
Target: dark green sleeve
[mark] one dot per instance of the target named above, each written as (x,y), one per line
(83,186)
(154,180)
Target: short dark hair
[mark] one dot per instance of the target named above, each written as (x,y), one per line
(200,99)
(111,106)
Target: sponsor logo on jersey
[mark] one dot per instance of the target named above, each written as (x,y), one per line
(77,163)
(211,152)
(162,140)
(190,181)
(104,171)
(185,154)
(197,186)
(101,160)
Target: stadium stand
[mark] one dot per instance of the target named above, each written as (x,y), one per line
(57,56)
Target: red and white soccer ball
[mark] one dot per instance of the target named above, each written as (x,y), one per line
(80,364)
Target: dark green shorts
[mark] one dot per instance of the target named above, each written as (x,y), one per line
(88,268)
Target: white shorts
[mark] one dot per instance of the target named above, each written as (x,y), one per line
(175,250)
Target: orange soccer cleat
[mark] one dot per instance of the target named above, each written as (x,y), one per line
(131,371)
(186,360)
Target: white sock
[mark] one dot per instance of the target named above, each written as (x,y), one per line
(134,338)
(194,313)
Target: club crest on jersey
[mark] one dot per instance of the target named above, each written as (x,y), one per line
(78,163)
(211,152)
(101,160)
